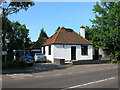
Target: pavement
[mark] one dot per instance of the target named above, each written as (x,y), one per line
(80,76)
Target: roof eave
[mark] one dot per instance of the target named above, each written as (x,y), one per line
(65,44)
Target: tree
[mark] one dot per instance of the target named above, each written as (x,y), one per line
(14,7)
(106,27)
(63,27)
(10,8)
(17,35)
(42,34)
(7,29)
(88,33)
(59,28)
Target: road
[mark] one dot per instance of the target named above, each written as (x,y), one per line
(82,76)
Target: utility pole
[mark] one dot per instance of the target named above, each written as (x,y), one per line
(24,45)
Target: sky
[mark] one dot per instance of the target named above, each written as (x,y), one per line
(50,15)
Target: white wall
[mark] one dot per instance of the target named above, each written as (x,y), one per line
(49,57)
(61,52)
(82,32)
(100,51)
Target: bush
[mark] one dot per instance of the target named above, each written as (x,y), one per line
(9,64)
(114,61)
(118,61)
(19,63)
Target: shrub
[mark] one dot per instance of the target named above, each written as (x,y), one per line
(114,61)
(118,61)
(19,63)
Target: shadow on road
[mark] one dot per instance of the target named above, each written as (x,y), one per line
(36,68)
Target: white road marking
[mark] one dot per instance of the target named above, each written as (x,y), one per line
(90,83)
(19,75)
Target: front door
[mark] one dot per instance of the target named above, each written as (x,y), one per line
(73,53)
(96,54)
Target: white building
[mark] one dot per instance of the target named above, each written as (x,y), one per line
(67,44)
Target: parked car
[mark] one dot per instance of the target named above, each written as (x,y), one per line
(39,57)
(24,55)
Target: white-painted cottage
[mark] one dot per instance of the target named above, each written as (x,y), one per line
(67,44)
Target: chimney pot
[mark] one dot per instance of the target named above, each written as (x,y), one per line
(82,31)
(82,27)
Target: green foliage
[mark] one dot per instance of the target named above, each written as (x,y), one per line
(16,36)
(14,7)
(63,27)
(42,34)
(6,28)
(58,28)
(114,61)
(21,62)
(105,31)
(9,8)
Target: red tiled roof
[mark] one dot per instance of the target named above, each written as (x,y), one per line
(38,43)
(66,36)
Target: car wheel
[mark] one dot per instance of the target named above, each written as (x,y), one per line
(45,61)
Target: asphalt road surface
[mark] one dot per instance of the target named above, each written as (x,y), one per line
(81,76)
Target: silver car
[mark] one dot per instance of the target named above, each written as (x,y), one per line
(40,57)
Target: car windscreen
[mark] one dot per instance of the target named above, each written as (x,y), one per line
(21,53)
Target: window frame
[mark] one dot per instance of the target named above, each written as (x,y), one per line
(84,50)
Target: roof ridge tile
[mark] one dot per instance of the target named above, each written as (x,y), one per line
(57,35)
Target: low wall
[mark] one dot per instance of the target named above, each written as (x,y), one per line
(59,61)
(90,62)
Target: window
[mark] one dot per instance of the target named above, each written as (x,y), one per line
(44,50)
(49,50)
(84,50)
